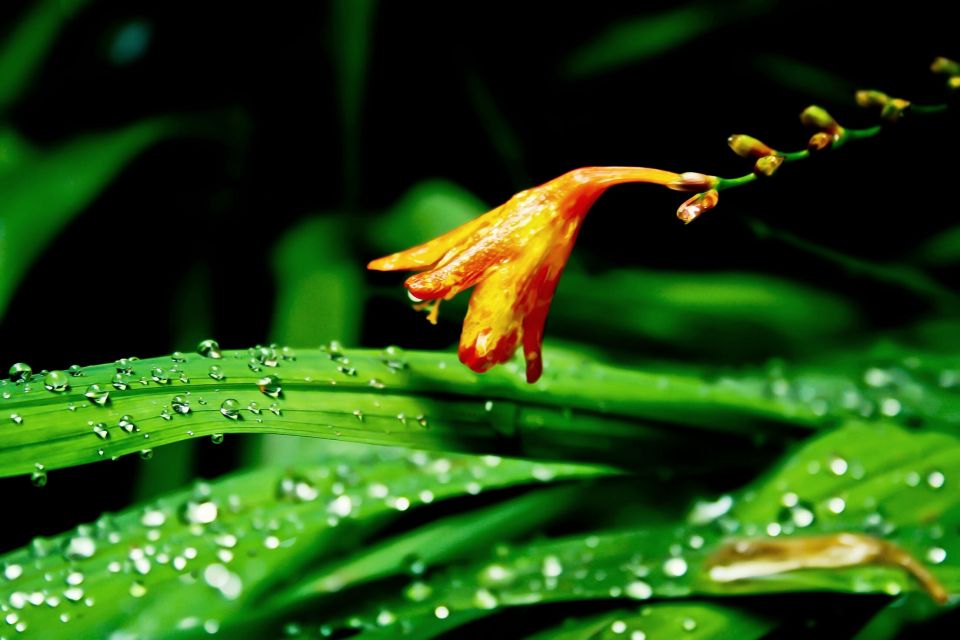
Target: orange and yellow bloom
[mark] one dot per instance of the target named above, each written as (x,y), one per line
(514,255)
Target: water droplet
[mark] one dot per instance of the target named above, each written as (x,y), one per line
(178,356)
(358,414)
(675,567)
(21,372)
(838,465)
(159,376)
(79,547)
(638,635)
(890,407)
(16,418)
(552,567)
(254,408)
(270,386)
(341,506)
(200,512)
(75,370)
(39,476)
(638,590)
(127,425)
(274,408)
(119,382)
(347,371)
(180,404)
(101,430)
(217,438)
(706,512)
(836,505)
(936,555)
(618,627)
(377,383)
(97,395)
(266,356)
(124,365)
(209,349)
(298,489)
(689,624)
(153,518)
(230,408)
(56,381)
(441,612)
(216,372)
(936,479)
(146,454)
(386,618)
(137,589)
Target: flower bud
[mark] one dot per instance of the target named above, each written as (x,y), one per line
(894,110)
(870,98)
(821,141)
(767,165)
(695,206)
(693,181)
(945,66)
(748,147)
(818,118)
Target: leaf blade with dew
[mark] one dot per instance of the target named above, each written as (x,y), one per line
(695,620)
(675,560)
(48,188)
(205,554)
(412,399)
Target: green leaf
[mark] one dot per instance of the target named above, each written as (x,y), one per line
(893,483)
(42,193)
(200,558)
(22,51)
(693,620)
(643,38)
(581,410)
(351,28)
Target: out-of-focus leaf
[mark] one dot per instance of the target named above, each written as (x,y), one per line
(190,562)
(809,80)
(501,135)
(41,194)
(319,298)
(643,38)
(427,210)
(700,313)
(869,478)
(22,50)
(902,276)
(941,250)
(694,620)
(351,27)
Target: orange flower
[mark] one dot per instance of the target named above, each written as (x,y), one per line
(514,255)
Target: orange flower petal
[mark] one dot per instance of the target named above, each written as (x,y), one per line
(430,252)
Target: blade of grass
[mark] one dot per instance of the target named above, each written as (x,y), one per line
(415,399)
(196,559)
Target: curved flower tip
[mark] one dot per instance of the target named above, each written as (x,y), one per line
(514,256)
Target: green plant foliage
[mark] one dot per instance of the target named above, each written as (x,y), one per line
(45,189)
(22,51)
(864,477)
(196,559)
(648,37)
(698,620)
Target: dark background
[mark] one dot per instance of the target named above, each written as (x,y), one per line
(440,78)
